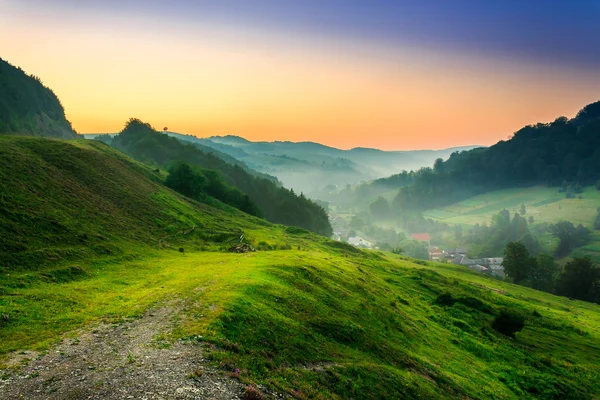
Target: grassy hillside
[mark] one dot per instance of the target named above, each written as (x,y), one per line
(544,204)
(305,316)
(79,199)
(28,107)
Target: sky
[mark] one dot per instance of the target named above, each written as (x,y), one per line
(395,75)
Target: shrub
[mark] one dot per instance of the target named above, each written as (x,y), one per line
(445,299)
(296,230)
(251,393)
(508,323)
(263,246)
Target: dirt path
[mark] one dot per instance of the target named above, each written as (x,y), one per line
(124,361)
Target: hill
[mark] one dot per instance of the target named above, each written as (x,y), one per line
(309,167)
(28,107)
(564,152)
(277,204)
(81,199)
(305,317)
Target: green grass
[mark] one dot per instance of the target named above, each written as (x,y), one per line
(544,204)
(329,322)
(321,320)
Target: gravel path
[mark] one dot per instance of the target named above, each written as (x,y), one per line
(124,361)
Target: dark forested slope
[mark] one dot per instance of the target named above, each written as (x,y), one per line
(563,152)
(28,107)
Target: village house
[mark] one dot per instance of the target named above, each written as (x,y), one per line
(435,253)
(422,237)
(340,227)
(491,265)
(453,253)
(360,242)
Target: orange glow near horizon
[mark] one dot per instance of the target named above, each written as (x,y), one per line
(214,80)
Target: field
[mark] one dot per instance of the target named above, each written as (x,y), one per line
(310,318)
(542,203)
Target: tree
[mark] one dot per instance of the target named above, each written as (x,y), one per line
(544,273)
(380,208)
(523,210)
(185,181)
(564,231)
(517,263)
(438,166)
(509,322)
(580,279)
(415,249)
(357,223)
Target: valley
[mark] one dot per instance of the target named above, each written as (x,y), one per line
(283,248)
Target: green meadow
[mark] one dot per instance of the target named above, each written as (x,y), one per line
(89,235)
(542,203)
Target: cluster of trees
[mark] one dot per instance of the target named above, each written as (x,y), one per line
(569,236)
(198,183)
(275,203)
(579,279)
(485,240)
(571,190)
(29,107)
(564,150)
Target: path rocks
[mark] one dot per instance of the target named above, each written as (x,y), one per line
(119,361)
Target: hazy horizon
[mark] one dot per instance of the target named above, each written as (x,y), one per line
(389,76)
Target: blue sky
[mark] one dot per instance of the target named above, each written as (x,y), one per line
(564,32)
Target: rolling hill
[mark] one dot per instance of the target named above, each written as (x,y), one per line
(27,107)
(90,235)
(81,199)
(565,152)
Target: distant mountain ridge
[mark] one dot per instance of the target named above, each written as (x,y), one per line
(309,167)
(27,107)
(279,205)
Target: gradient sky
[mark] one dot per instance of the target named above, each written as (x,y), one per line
(347,73)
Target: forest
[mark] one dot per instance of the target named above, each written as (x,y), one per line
(563,152)
(27,106)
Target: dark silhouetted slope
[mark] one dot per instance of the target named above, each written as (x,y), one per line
(563,152)
(28,107)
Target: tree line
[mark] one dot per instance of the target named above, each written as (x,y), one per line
(565,150)
(578,279)
(265,198)
(28,106)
